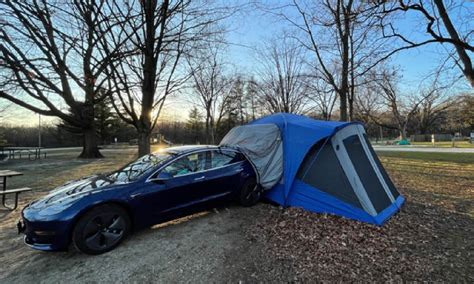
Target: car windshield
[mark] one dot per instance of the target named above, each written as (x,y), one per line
(138,168)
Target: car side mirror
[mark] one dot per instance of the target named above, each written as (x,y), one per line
(162,177)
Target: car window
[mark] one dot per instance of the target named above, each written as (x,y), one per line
(223,158)
(138,168)
(186,165)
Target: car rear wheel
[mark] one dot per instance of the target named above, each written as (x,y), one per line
(101,229)
(250,193)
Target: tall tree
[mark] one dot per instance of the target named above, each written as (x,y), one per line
(344,40)
(52,61)
(401,107)
(438,25)
(211,86)
(433,109)
(161,33)
(282,86)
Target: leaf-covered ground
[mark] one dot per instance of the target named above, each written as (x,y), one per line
(431,239)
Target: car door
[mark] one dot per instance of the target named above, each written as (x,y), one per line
(191,171)
(175,186)
(224,173)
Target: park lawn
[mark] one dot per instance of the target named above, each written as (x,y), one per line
(445,144)
(446,179)
(430,157)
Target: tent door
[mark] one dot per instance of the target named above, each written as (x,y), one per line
(361,169)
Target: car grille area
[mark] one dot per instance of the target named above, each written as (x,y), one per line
(36,236)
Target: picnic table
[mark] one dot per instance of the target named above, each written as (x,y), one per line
(4,174)
(14,152)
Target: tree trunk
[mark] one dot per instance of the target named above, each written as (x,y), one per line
(208,130)
(213,132)
(344,33)
(351,109)
(403,133)
(468,71)
(343,105)
(90,150)
(143,143)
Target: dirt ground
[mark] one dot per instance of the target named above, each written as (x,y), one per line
(206,247)
(431,239)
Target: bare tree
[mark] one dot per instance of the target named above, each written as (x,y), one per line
(344,39)
(433,108)
(251,92)
(323,96)
(368,104)
(402,108)
(439,28)
(282,86)
(52,63)
(161,33)
(212,87)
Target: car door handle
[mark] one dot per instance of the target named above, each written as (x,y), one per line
(239,170)
(199,178)
(135,195)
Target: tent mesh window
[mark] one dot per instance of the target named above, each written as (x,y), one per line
(322,170)
(387,179)
(366,173)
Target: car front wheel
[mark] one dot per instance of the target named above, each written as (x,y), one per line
(101,229)
(250,193)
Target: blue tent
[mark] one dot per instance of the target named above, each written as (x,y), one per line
(330,167)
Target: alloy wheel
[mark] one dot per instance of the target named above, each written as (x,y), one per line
(104,231)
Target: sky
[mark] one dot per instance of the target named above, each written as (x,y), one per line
(247,32)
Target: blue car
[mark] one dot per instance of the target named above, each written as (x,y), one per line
(97,213)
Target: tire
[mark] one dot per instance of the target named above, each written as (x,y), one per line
(101,229)
(250,193)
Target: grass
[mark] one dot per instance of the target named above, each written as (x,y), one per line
(447,144)
(443,178)
(45,174)
(459,158)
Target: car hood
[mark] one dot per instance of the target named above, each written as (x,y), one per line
(73,191)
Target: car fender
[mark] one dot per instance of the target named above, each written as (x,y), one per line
(118,202)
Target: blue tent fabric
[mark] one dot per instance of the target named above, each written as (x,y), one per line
(299,134)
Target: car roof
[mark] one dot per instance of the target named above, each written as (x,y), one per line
(188,148)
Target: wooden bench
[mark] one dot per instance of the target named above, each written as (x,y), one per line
(17,192)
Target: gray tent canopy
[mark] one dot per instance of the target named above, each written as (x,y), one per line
(262,144)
